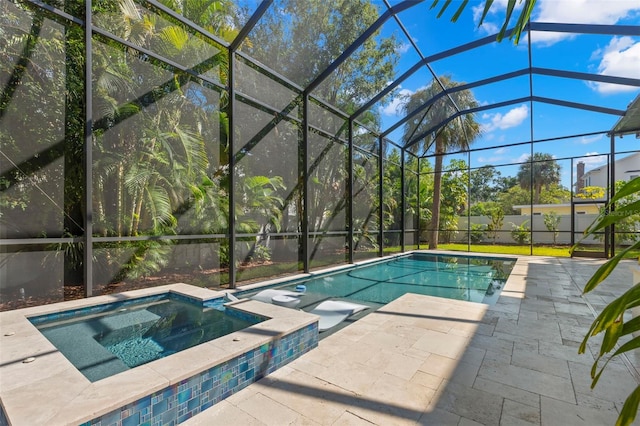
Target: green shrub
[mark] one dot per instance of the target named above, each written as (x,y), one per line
(477,232)
(520,233)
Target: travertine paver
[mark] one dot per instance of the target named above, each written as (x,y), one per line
(430,361)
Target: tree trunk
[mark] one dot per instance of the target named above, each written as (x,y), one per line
(435,209)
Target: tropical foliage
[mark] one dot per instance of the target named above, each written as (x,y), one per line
(539,171)
(552,223)
(522,21)
(521,234)
(161,153)
(496,215)
(423,131)
(618,331)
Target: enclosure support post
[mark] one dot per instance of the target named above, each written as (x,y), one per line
(305,182)
(88,155)
(232,166)
(573,207)
(380,195)
(612,192)
(469,200)
(403,203)
(350,194)
(418,203)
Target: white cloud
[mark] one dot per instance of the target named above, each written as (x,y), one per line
(512,118)
(579,12)
(593,160)
(484,160)
(394,108)
(403,48)
(621,58)
(496,157)
(585,140)
(522,158)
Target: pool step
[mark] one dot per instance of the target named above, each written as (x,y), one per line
(82,343)
(122,326)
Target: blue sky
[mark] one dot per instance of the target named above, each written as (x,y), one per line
(597,54)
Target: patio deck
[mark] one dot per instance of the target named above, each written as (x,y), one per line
(426,360)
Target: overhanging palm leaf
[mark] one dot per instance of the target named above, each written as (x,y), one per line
(523,18)
(611,319)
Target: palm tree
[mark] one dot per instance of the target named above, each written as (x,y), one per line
(539,171)
(456,135)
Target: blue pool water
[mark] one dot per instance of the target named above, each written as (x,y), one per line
(113,338)
(475,279)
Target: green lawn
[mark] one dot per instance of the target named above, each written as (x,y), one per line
(556,251)
(559,251)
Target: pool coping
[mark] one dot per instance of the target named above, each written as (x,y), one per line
(64,396)
(83,401)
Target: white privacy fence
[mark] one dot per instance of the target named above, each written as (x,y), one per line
(540,234)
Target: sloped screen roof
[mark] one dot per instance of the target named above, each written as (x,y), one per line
(574,71)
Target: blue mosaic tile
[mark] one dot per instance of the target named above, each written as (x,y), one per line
(206,385)
(170,416)
(245,316)
(199,392)
(168,393)
(132,420)
(184,417)
(194,382)
(112,418)
(193,404)
(160,407)
(143,404)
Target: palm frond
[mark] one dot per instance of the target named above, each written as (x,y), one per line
(518,29)
(159,206)
(174,38)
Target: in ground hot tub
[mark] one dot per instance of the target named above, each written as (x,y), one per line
(111,338)
(171,360)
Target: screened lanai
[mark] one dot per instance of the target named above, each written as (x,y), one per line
(219,143)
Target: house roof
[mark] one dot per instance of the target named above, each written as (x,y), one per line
(629,123)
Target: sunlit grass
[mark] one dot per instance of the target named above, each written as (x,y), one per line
(555,251)
(558,251)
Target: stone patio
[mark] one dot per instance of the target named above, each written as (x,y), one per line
(432,361)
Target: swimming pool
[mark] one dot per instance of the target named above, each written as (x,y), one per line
(471,278)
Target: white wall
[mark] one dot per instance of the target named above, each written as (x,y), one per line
(540,233)
(625,167)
